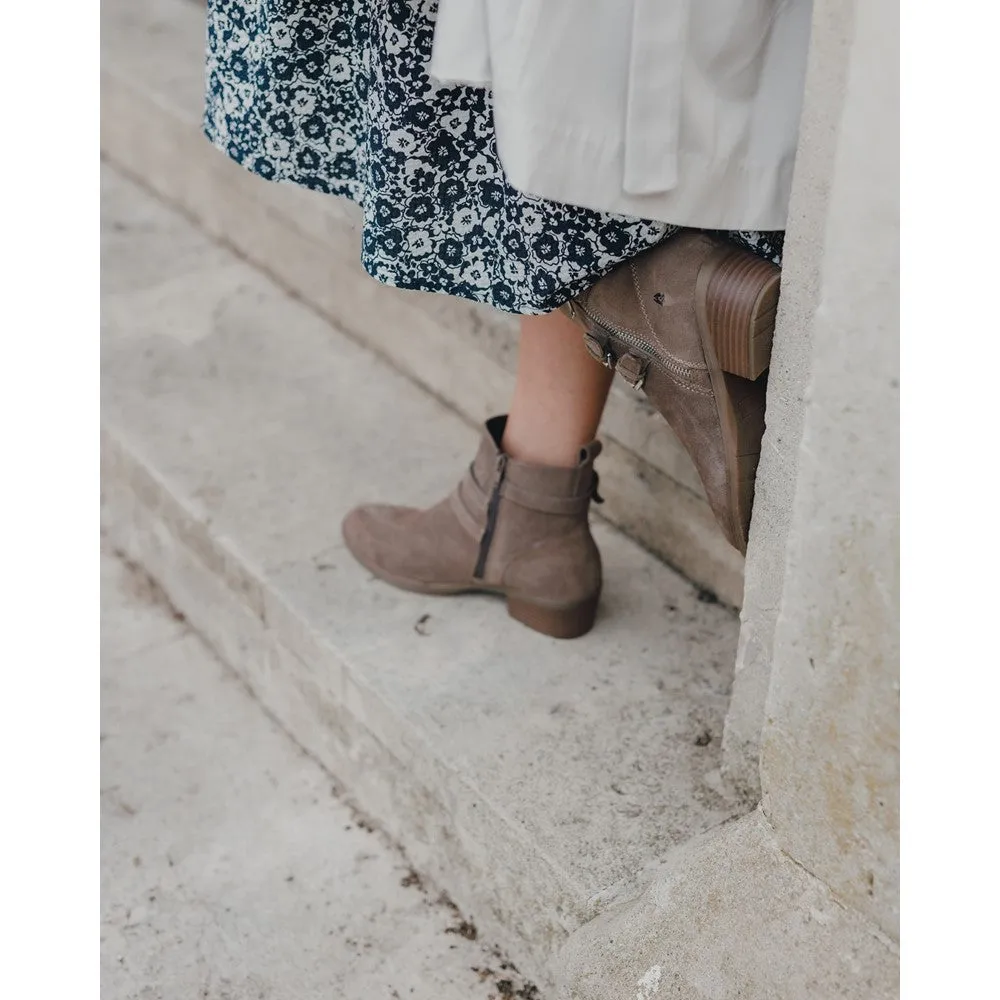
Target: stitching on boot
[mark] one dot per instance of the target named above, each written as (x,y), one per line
(686,365)
(681,379)
(649,323)
(638,297)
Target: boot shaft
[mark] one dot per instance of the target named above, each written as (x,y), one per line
(527,513)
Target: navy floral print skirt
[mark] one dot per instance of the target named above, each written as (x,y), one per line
(336,97)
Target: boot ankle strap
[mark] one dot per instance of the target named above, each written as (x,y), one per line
(545,503)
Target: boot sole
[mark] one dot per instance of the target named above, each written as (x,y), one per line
(560,622)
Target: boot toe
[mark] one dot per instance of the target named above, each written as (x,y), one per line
(372,534)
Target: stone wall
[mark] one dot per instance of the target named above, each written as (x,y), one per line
(830,766)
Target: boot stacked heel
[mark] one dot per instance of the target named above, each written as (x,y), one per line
(561,623)
(739,299)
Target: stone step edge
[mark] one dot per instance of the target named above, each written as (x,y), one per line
(225,600)
(151,143)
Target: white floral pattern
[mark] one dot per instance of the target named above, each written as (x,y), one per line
(334,95)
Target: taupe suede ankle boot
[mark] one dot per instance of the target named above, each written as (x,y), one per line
(690,323)
(509,527)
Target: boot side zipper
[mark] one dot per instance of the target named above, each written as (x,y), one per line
(491,520)
(680,370)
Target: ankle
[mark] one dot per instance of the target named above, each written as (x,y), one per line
(541,449)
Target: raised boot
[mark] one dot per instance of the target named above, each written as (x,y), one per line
(509,527)
(690,324)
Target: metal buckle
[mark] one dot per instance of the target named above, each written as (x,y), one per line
(633,370)
(599,349)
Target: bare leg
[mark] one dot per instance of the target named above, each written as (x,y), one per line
(559,395)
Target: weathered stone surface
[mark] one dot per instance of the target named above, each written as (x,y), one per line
(525,774)
(231,865)
(830,761)
(791,365)
(730,917)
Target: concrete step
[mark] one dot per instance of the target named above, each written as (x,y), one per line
(534,779)
(230,866)
(152,86)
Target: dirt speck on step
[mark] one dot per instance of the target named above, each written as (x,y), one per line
(421,626)
(464,928)
(445,900)
(412,879)
(507,988)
